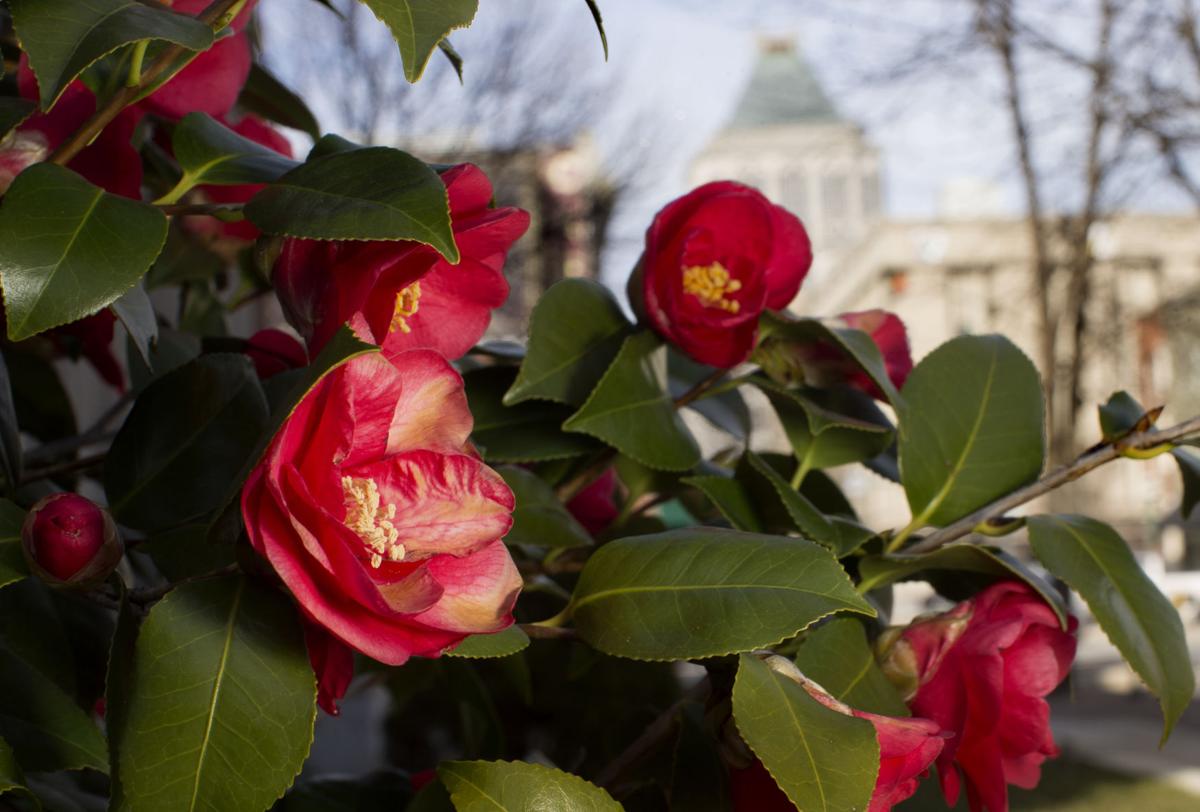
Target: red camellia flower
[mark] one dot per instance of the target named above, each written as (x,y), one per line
(907,748)
(212,82)
(70,541)
(376,513)
(273,351)
(595,507)
(714,260)
(982,671)
(408,294)
(889,335)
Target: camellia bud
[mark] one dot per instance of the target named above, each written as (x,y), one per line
(69,541)
(897,655)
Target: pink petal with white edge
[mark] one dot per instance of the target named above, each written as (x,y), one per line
(443,503)
(432,411)
(480,591)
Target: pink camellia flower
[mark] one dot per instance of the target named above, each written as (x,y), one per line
(374,510)
(907,748)
(273,351)
(69,541)
(981,671)
(595,506)
(212,82)
(714,260)
(409,295)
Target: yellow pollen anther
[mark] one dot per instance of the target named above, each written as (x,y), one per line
(711,284)
(371,521)
(407,305)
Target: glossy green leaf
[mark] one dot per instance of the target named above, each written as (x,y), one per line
(188,433)
(490,646)
(526,432)
(704,592)
(222,700)
(539,518)
(1138,619)
(373,193)
(575,332)
(172,350)
(453,57)
(830,427)
(12,779)
(212,154)
(1119,415)
(727,410)
(837,656)
(266,96)
(858,345)
(957,571)
(12,560)
(419,25)
(516,786)
(631,410)
(730,498)
(136,313)
(69,249)
(117,694)
(1189,470)
(10,433)
(64,37)
(13,111)
(971,429)
(823,760)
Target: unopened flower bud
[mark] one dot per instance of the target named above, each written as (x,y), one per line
(69,541)
(907,654)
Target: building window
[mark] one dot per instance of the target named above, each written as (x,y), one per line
(795,193)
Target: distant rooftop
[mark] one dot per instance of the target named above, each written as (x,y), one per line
(783,90)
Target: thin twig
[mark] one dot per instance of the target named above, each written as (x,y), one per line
(599,464)
(1090,461)
(127,95)
(699,389)
(209,209)
(68,467)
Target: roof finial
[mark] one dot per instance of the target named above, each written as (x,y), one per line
(776,43)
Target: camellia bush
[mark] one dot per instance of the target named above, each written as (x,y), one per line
(567,605)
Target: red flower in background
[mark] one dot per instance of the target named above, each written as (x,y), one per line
(907,748)
(408,294)
(373,509)
(888,333)
(273,351)
(982,671)
(92,338)
(595,506)
(714,260)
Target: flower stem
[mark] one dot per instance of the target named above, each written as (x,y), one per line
(135,64)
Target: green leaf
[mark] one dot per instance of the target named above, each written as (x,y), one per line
(727,411)
(69,249)
(1138,619)
(539,518)
(1189,470)
(453,57)
(13,111)
(117,693)
(373,193)
(222,700)
(43,406)
(266,96)
(595,9)
(136,313)
(212,154)
(958,571)
(527,432)
(837,656)
(1119,416)
(829,427)
(12,560)
(823,760)
(699,779)
(10,433)
(575,332)
(515,786)
(858,345)
(64,37)
(631,410)
(172,350)
(187,551)
(12,779)
(489,646)
(730,498)
(419,25)
(705,592)
(971,427)
(189,432)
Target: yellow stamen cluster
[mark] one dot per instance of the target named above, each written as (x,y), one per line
(372,521)
(407,305)
(711,284)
